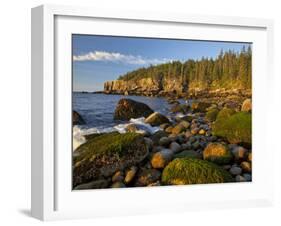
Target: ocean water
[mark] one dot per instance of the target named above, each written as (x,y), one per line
(98,111)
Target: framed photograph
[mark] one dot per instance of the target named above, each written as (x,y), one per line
(135,112)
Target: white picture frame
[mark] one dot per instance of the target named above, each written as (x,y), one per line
(52,197)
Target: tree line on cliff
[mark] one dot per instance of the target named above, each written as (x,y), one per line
(229,70)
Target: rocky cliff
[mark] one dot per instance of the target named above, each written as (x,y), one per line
(145,86)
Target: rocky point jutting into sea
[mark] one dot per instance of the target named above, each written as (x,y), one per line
(205,139)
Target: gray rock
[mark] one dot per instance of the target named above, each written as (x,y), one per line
(118,185)
(239,178)
(246,166)
(247,176)
(160,159)
(239,153)
(148,176)
(175,147)
(118,176)
(188,134)
(235,170)
(148,142)
(98,184)
(164,141)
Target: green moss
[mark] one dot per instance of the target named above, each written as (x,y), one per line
(211,115)
(193,171)
(236,129)
(109,143)
(225,113)
(188,154)
(217,153)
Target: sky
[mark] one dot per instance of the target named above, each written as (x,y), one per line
(97,59)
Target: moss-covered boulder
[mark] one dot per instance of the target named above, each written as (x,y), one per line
(211,114)
(77,119)
(217,153)
(105,154)
(225,113)
(183,171)
(237,128)
(156,119)
(127,109)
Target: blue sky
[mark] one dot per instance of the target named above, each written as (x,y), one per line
(97,59)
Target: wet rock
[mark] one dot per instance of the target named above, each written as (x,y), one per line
(130,174)
(156,119)
(148,176)
(160,159)
(239,153)
(77,119)
(118,185)
(246,166)
(127,109)
(240,178)
(97,184)
(169,129)
(175,147)
(118,176)
(157,136)
(235,170)
(164,126)
(247,176)
(164,141)
(148,142)
(106,154)
(178,129)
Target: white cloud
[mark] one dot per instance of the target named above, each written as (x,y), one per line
(118,58)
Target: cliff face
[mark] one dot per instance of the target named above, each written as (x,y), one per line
(145,86)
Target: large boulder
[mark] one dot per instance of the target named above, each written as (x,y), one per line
(127,109)
(102,156)
(225,113)
(217,153)
(247,105)
(183,171)
(77,119)
(156,119)
(237,128)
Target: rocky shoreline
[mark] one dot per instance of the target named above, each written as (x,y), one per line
(206,141)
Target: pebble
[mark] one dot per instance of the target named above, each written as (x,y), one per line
(239,178)
(118,185)
(202,132)
(164,141)
(239,153)
(148,142)
(130,174)
(118,176)
(188,134)
(246,166)
(175,147)
(247,176)
(160,159)
(235,170)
